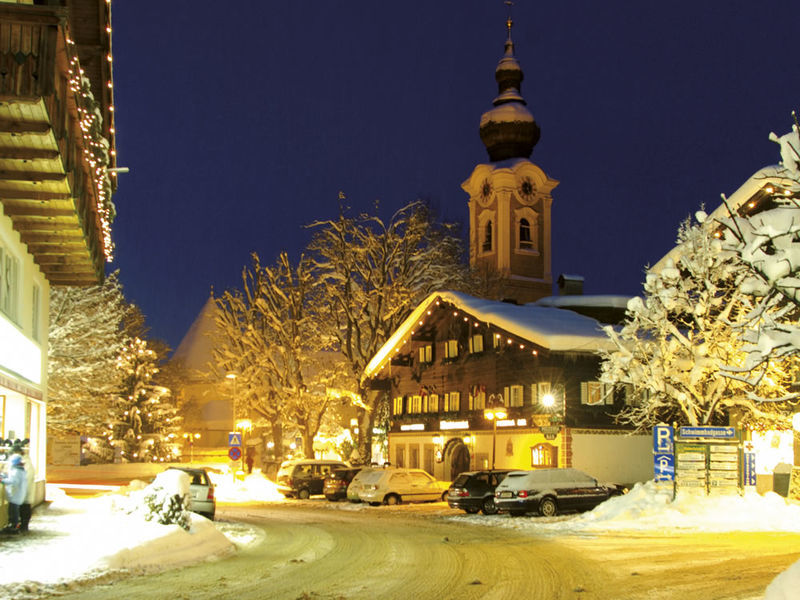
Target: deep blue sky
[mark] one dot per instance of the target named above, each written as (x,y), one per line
(241,121)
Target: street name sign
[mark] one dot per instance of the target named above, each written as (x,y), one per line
(714,433)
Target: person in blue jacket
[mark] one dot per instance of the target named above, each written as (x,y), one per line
(16,484)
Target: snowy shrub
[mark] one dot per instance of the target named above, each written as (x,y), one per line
(167,499)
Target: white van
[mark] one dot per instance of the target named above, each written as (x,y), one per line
(396,485)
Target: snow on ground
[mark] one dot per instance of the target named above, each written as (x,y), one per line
(101,537)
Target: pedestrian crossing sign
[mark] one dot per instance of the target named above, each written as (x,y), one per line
(234,438)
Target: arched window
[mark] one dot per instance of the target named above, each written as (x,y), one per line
(544,455)
(487,237)
(525,240)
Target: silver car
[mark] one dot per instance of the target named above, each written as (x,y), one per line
(201,491)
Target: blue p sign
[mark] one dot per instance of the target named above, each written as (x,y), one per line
(663,437)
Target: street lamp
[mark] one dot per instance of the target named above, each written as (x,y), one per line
(494,413)
(191,437)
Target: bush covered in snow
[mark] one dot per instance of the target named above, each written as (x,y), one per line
(166,500)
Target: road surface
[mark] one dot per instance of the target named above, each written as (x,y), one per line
(315,551)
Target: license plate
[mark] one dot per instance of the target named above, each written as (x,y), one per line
(506,494)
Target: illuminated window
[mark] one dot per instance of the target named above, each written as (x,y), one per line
(416,405)
(397,405)
(595,393)
(426,354)
(451,349)
(544,455)
(476,343)
(514,395)
(477,398)
(433,403)
(452,402)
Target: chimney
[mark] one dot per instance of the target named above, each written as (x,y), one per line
(570,285)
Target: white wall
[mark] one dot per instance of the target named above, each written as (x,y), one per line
(614,458)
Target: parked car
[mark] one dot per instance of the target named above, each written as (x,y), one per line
(550,491)
(304,478)
(201,490)
(359,482)
(396,485)
(474,491)
(335,485)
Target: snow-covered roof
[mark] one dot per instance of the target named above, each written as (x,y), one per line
(771,175)
(549,327)
(598,301)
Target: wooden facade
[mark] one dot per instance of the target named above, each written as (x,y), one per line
(441,375)
(57,157)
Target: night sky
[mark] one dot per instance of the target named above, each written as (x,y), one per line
(241,121)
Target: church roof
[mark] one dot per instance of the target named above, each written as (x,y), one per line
(194,351)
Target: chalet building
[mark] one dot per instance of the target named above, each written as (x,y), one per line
(458,360)
(57,170)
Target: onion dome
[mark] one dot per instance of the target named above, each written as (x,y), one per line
(508,130)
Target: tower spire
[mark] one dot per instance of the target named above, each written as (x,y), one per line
(508,130)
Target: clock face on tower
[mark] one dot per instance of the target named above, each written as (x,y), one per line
(526,189)
(485,192)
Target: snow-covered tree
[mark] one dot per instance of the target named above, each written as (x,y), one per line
(680,337)
(272,342)
(371,274)
(89,326)
(146,422)
(768,242)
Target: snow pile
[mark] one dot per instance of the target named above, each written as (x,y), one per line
(253,488)
(649,508)
(786,585)
(79,539)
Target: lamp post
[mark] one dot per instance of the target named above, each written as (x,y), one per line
(232,376)
(191,437)
(493,413)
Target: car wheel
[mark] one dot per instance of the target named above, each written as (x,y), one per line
(489,507)
(391,500)
(303,494)
(548,507)
(444,495)
(471,510)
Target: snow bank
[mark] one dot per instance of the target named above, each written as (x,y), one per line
(785,586)
(254,488)
(648,508)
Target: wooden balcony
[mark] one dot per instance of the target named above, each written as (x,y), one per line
(55,147)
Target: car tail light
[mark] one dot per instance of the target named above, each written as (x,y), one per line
(462,493)
(522,494)
(210,493)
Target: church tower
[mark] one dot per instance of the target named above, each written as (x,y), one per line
(510,197)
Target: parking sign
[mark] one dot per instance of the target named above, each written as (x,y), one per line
(663,439)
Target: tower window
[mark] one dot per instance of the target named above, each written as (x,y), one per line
(525,240)
(487,237)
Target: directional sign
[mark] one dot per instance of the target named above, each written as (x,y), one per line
(716,433)
(234,453)
(663,439)
(749,468)
(234,438)
(664,467)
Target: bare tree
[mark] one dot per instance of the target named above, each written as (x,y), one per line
(370,275)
